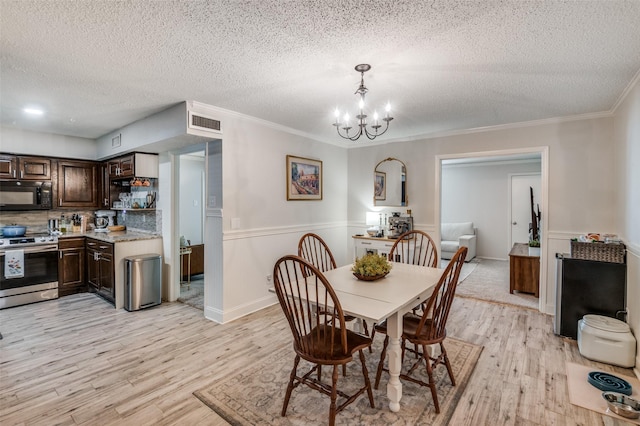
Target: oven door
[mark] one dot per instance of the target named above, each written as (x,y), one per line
(40,268)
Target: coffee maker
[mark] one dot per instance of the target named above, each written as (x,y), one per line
(399,225)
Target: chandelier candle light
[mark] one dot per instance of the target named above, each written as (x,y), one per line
(372,130)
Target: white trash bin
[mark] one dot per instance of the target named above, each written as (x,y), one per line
(606,340)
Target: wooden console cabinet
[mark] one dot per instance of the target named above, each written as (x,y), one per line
(196,265)
(524,270)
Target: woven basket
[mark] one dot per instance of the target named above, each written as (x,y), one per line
(601,252)
(369,277)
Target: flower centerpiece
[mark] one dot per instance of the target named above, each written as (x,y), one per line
(371,267)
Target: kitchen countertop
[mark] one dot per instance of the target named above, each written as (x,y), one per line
(112,237)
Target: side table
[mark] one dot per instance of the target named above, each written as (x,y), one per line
(186,251)
(524,270)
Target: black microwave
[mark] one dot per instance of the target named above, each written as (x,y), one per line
(25,195)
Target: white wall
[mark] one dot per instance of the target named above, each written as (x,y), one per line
(19,141)
(191,202)
(627,144)
(479,193)
(268,226)
(582,188)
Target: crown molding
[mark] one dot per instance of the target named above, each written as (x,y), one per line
(635,80)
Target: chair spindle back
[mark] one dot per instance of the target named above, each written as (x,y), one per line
(311,307)
(416,248)
(314,250)
(439,303)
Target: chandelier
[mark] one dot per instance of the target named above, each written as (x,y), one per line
(371,130)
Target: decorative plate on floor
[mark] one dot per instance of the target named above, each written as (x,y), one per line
(609,383)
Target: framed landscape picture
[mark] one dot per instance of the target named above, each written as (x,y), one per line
(304,178)
(380,186)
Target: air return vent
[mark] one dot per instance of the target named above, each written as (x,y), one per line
(206,124)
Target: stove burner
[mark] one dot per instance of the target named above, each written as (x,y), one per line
(609,383)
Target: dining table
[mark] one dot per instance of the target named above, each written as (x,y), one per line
(387,298)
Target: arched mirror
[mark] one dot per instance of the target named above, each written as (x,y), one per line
(390,183)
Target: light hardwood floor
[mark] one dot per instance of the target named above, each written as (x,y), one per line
(76,360)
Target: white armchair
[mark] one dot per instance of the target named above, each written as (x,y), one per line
(456,235)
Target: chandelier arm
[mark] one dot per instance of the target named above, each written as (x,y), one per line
(355,137)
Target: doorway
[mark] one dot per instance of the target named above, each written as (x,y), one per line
(493,231)
(190,196)
(522,187)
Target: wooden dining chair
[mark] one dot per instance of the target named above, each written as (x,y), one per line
(428,329)
(416,248)
(320,335)
(314,250)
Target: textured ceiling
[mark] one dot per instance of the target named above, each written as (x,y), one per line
(445,66)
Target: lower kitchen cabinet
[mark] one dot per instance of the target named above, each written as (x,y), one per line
(71,265)
(100,269)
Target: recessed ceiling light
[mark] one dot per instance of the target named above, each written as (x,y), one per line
(33,111)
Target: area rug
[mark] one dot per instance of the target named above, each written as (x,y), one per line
(193,294)
(489,281)
(467,267)
(585,395)
(255,396)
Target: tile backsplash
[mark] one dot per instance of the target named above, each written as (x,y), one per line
(146,220)
(36,220)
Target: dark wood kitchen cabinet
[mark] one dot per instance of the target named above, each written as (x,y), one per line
(105,189)
(138,164)
(100,269)
(24,168)
(71,262)
(122,167)
(77,184)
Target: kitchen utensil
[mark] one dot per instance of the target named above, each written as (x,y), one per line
(622,405)
(151,199)
(53,225)
(14,230)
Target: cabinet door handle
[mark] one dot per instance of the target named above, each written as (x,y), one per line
(365,244)
(104,247)
(60,254)
(91,244)
(60,202)
(21,174)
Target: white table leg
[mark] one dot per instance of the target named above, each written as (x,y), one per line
(394,387)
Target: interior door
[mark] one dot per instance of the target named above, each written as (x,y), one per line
(521,204)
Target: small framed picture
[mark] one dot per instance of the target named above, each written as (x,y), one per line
(304,179)
(380,185)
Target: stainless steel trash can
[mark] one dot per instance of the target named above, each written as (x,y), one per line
(143,281)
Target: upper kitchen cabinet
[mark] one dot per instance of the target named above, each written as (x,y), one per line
(133,165)
(77,184)
(24,168)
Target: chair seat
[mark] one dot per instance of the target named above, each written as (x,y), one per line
(410,323)
(322,345)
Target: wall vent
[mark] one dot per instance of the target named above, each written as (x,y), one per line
(206,124)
